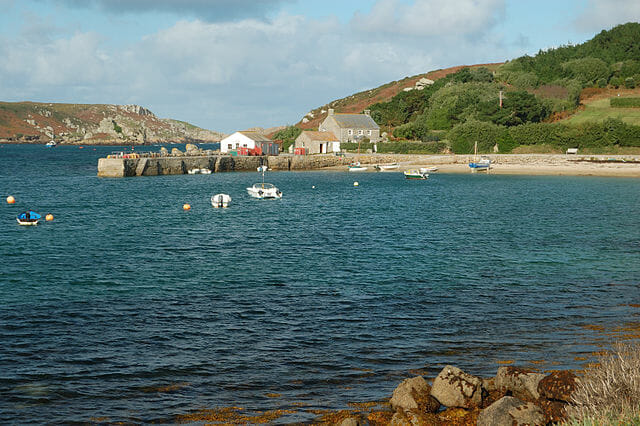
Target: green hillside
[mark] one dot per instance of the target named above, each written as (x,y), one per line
(523,102)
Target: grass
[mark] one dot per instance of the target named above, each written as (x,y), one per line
(609,392)
(599,110)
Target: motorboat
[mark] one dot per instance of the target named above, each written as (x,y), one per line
(428,169)
(51,144)
(220,200)
(415,174)
(387,167)
(199,171)
(264,190)
(28,218)
(357,167)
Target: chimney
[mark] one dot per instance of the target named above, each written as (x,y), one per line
(367,112)
(331,112)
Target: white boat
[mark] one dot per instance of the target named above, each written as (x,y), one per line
(51,144)
(199,171)
(387,167)
(415,174)
(264,190)
(220,200)
(357,167)
(428,169)
(28,218)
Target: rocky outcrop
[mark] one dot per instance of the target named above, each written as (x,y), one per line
(28,122)
(513,397)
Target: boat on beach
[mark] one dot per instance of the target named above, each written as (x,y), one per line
(483,164)
(415,174)
(428,169)
(28,218)
(386,167)
(357,167)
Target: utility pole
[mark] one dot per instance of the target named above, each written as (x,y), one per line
(501,99)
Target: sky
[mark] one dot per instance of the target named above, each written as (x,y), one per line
(228,65)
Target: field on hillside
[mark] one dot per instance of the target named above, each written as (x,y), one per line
(600,110)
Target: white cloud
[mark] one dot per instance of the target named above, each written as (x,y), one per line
(237,74)
(605,14)
(430,17)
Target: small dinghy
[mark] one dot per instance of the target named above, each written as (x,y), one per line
(28,218)
(220,201)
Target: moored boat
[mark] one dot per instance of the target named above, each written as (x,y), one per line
(264,190)
(483,164)
(28,218)
(415,174)
(199,171)
(220,200)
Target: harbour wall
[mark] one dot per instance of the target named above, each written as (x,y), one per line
(176,165)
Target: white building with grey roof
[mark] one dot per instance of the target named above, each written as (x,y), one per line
(351,127)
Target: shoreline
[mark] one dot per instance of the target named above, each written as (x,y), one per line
(514,164)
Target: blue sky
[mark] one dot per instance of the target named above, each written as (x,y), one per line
(229,65)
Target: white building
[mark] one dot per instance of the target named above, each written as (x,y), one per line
(249,140)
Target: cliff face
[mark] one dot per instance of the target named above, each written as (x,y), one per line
(29,122)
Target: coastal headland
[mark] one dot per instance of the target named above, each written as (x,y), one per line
(523,164)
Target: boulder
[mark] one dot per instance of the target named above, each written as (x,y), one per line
(349,421)
(191,149)
(176,152)
(558,385)
(497,414)
(527,414)
(554,411)
(520,383)
(414,395)
(163,151)
(455,388)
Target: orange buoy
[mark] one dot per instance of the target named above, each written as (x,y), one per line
(10,199)
(186,207)
(48,217)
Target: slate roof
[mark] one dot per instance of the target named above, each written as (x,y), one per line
(355,121)
(255,136)
(321,136)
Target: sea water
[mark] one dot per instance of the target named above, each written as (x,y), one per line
(127,308)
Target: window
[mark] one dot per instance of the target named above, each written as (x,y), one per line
(369,132)
(350,131)
(360,132)
(230,146)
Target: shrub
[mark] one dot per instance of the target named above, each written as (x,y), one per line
(609,392)
(629,83)
(464,136)
(412,147)
(287,136)
(625,102)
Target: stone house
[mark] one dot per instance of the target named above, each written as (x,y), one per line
(351,127)
(249,140)
(317,142)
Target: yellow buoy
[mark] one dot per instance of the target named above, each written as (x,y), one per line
(48,217)
(186,207)
(355,184)
(10,199)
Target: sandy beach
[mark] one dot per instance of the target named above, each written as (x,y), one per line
(516,164)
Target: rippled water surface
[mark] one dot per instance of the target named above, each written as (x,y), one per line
(128,308)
